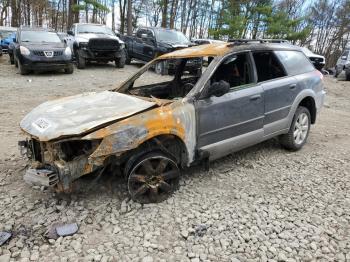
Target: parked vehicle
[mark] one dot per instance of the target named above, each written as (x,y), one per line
(7,35)
(343,63)
(152,125)
(96,43)
(200,41)
(38,49)
(151,42)
(318,60)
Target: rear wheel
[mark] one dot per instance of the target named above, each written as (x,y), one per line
(347,75)
(127,58)
(153,177)
(298,133)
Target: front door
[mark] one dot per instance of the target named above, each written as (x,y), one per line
(234,120)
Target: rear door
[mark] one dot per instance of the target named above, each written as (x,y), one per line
(280,90)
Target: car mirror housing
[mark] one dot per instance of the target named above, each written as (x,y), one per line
(218,88)
(70,32)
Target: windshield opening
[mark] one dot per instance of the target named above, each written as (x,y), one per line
(39,37)
(171,36)
(94,29)
(169,79)
(5,34)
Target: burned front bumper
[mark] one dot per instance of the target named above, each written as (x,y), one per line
(52,167)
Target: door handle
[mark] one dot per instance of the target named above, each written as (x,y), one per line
(255,97)
(292,86)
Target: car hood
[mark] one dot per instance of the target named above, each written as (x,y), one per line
(43,46)
(78,114)
(87,36)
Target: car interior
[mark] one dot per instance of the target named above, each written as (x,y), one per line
(166,86)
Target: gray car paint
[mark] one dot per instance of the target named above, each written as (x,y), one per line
(281,97)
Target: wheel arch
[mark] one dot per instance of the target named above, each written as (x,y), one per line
(309,103)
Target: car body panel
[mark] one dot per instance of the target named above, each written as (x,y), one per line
(78,114)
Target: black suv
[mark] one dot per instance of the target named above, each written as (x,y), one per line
(37,49)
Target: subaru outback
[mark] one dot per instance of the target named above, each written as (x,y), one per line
(151,126)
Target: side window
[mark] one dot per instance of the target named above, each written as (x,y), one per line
(267,66)
(235,70)
(295,62)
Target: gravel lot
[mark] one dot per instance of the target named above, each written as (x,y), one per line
(260,204)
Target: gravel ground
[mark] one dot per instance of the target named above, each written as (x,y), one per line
(260,204)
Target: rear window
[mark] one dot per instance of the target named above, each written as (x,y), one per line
(295,62)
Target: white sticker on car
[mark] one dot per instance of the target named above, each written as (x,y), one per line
(41,124)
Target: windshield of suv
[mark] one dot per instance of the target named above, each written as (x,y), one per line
(171,36)
(94,29)
(39,37)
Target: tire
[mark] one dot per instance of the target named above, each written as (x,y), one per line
(120,61)
(336,72)
(81,61)
(347,75)
(153,176)
(16,62)
(127,58)
(69,69)
(12,61)
(299,130)
(22,70)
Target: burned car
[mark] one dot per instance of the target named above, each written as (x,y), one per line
(152,126)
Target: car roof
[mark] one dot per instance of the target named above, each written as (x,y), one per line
(221,49)
(27,28)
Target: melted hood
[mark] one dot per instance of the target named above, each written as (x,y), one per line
(78,114)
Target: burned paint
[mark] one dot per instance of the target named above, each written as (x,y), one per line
(217,49)
(177,119)
(78,114)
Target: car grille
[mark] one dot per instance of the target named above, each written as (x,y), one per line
(103,44)
(41,53)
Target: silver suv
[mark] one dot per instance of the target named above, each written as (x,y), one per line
(343,63)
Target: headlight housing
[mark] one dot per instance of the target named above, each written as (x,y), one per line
(24,50)
(68,51)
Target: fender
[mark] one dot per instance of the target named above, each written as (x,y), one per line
(176,119)
(303,94)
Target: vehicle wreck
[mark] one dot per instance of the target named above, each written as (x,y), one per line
(153,125)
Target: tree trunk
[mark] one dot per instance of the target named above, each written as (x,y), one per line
(129,18)
(164,14)
(113,16)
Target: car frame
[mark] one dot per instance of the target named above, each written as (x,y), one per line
(157,137)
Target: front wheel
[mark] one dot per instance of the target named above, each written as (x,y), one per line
(81,61)
(153,177)
(12,61)
(298,133)
(21,69)
(120,61)
(69,69)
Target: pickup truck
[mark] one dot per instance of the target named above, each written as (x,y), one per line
(151,42)
(95,42)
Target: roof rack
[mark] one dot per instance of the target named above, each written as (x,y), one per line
(261,41)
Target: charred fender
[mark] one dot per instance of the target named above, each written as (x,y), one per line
(177,119)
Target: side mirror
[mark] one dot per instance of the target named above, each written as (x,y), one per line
(218,88)
(70,32)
